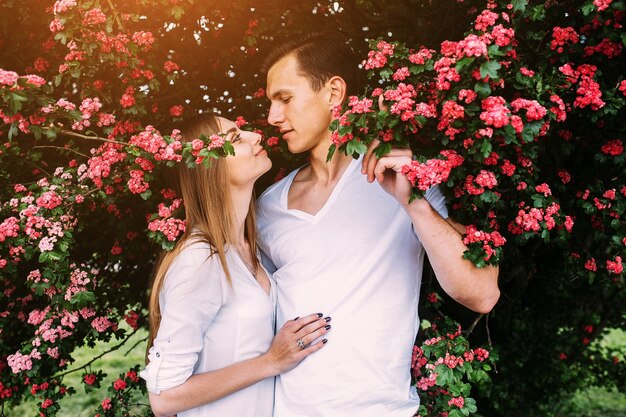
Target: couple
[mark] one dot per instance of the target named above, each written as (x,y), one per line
(338,239)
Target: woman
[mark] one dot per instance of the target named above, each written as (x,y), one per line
(212,303)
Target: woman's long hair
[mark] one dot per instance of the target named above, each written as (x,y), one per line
(209,215)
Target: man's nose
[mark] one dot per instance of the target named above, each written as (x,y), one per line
(275,116)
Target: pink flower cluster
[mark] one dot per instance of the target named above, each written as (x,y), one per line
(360,106)
(534,110)
(615,267)
(457,402)
(169,226)
(613,147)
(495,112)
(485,20)
(378,59)
(61,6)
(433,171)
(602,4)
(170,66)
(145,39)
(151,141)
(99,166)
(531,219)
(487,240)
(484,179)
(562,36)
(94,17)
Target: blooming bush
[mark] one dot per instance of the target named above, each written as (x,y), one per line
(517,121)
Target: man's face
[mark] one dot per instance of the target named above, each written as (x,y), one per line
(301,114)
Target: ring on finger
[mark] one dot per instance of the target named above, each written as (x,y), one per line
(300,343)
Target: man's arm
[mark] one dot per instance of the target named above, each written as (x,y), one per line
(476,288)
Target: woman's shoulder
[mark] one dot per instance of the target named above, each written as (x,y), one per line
(195,261)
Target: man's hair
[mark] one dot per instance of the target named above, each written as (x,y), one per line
(320,56)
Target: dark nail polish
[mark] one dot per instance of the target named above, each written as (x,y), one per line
(296,318)
(327,327)
(320,315)
(327,319)
(324,341)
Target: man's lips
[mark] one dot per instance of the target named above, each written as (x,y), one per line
(286,132)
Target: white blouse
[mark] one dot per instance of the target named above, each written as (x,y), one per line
(207,325)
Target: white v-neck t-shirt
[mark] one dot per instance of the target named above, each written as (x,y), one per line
(358,261)
(206,325)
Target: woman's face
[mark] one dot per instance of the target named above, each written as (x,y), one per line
(250,160)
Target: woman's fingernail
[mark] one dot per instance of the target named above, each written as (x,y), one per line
(327,319)
(324,341)
(327,327)
(296,318)
(320,315)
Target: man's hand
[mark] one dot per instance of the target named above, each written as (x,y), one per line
(388,171)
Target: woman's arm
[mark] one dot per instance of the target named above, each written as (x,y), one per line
(283,354)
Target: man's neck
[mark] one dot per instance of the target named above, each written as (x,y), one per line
(323,171)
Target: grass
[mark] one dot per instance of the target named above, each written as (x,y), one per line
(590,402)
(84,404)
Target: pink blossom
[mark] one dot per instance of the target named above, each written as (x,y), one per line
(170,66)
(602,4)
(485,20)
(613,147)
(457,401)
(119,384)
(145,39)
(136,183)
(94,17)
(433,171)
(176,111)
(543,189)
(615,267)
(101,324)
(495,112)
(106,404)
(534,110)
(62,6)
(562,36)
(8,77)
(401,74)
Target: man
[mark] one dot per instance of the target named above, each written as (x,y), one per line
(351,247)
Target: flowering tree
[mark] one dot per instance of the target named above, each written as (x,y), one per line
(513,111)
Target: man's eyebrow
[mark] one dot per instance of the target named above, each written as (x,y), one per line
(279,93)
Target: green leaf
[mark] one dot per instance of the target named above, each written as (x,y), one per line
(331,152)
(462,63)
(146,194)
(587,9)
(519,5)
(490,68)
(355,146)
(482,89)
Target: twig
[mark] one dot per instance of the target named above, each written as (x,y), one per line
(495,367)
(117,18)
(97,138)
(474,323)
(114,348)
(133,346)
(60,148)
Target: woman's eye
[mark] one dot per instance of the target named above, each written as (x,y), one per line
(236,138)
(285,100)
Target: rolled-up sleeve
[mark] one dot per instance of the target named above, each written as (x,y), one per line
(192,294)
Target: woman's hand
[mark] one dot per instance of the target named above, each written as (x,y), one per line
(294,341)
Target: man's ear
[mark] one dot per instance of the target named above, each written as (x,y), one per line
(337,88)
